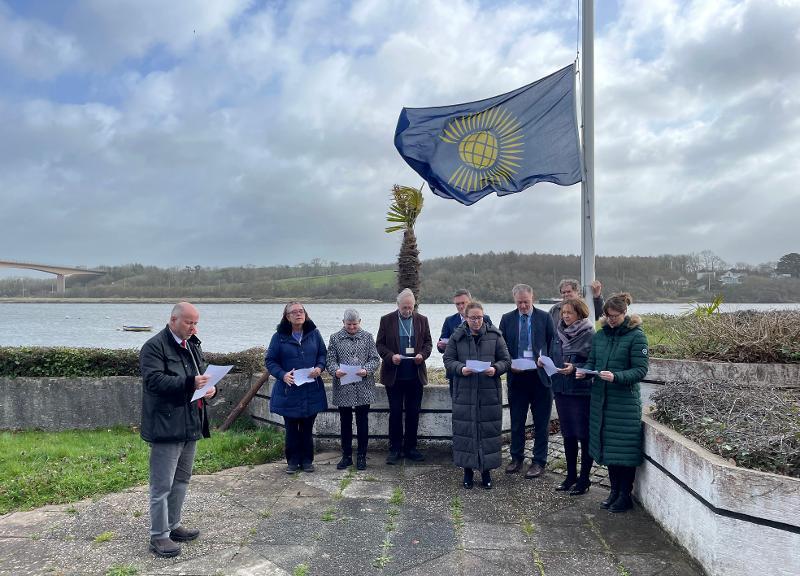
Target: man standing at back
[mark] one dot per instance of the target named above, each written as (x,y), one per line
(461,298)
(528,332)
(172,364)
(570,288)
(404,343)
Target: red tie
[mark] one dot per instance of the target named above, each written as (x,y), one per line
(199,400)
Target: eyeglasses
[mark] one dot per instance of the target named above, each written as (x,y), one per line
(475,318)
(615,316)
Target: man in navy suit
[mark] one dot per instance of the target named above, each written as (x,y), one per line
(528,332)
(461,298)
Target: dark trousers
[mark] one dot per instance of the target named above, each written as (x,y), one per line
(571,456)
(527,391)
(362,428)
(621,478)
(300,440)
(404,394)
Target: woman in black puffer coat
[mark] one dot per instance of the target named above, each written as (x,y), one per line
(477,396)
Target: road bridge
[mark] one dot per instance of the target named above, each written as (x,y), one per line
(61,272)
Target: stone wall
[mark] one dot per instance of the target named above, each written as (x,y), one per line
(772,375)
(733,521)
(85,403)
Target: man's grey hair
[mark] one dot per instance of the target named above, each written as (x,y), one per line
(405,293)
(178,309)
(462,292)
(517,289)
(576,286)
(351,315)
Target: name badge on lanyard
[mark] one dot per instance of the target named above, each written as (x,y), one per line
(528,353)
(410,350)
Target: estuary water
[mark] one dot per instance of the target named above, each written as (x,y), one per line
(227,327)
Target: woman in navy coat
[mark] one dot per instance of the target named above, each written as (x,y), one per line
(297,344)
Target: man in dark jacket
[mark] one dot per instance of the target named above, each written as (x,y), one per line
(404,343)
(172,364)
(569,289)
(528,332)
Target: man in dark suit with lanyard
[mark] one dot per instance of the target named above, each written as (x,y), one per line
(404,343)
(461,298)
(528,332)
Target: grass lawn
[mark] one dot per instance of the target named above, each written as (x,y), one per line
(375,278)
(38,468)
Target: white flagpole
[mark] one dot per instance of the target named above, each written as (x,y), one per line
(587,184)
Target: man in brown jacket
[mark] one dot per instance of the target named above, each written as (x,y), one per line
(404,343)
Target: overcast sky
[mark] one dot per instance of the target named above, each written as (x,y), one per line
(235,132)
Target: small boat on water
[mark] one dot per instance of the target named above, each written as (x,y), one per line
(134,328)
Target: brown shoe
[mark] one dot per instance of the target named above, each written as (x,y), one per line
(164,547)
(514,466)
(534,471)
(181,534)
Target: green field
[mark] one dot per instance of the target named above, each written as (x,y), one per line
(376,279)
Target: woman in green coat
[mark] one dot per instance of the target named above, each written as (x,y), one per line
(619,355)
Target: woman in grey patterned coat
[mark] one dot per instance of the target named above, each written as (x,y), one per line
(352,346)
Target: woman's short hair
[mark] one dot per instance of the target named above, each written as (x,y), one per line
(618,303)
(578,305)
(351,315)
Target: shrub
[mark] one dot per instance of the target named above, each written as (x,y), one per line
(756,427)
(745,336)
(99,362)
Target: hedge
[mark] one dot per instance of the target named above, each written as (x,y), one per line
(98,362)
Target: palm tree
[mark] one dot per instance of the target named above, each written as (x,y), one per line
(403,211)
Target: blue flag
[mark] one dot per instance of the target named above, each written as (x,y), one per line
(502,144)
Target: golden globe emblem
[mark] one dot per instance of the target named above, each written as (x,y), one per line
(478,150)
(490,145)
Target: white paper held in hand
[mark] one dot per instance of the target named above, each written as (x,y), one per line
(549,365)
(301,376)
(351,376)
(478,366)
(215,374)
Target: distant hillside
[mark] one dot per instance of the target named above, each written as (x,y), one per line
(488,276)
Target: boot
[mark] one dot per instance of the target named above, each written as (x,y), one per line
(614,494)
(623,503)
(571,457)
(361,462)
(583,484)
(469,478)
(486,479)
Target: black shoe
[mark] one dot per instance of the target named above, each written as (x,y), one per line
(514,466)
(622,504)
(393,457)
(292,467)
(581,487)
(164,547)
(612,496)
(308,467)
(534,471)
(486,480)
(181,534)
(361,462)
(566,484)
(344,462)
(468,478)
(415,455)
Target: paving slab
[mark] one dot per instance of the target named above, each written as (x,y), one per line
(410,519)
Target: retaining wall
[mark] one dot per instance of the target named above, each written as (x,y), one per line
(733,521)
(85,403)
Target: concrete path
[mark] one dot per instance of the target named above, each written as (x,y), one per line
(408,519)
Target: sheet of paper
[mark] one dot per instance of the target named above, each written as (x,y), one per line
(478,366)
(584,371)
(549,365)
(215,374)
(350,377)
(523,364)
(301,376)
(406,357)
(444,340)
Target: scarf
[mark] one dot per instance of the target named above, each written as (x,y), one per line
(576,338)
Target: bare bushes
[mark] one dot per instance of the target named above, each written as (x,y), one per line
(756,427)
(744,336)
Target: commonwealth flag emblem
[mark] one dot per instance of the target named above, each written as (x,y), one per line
(502,144)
